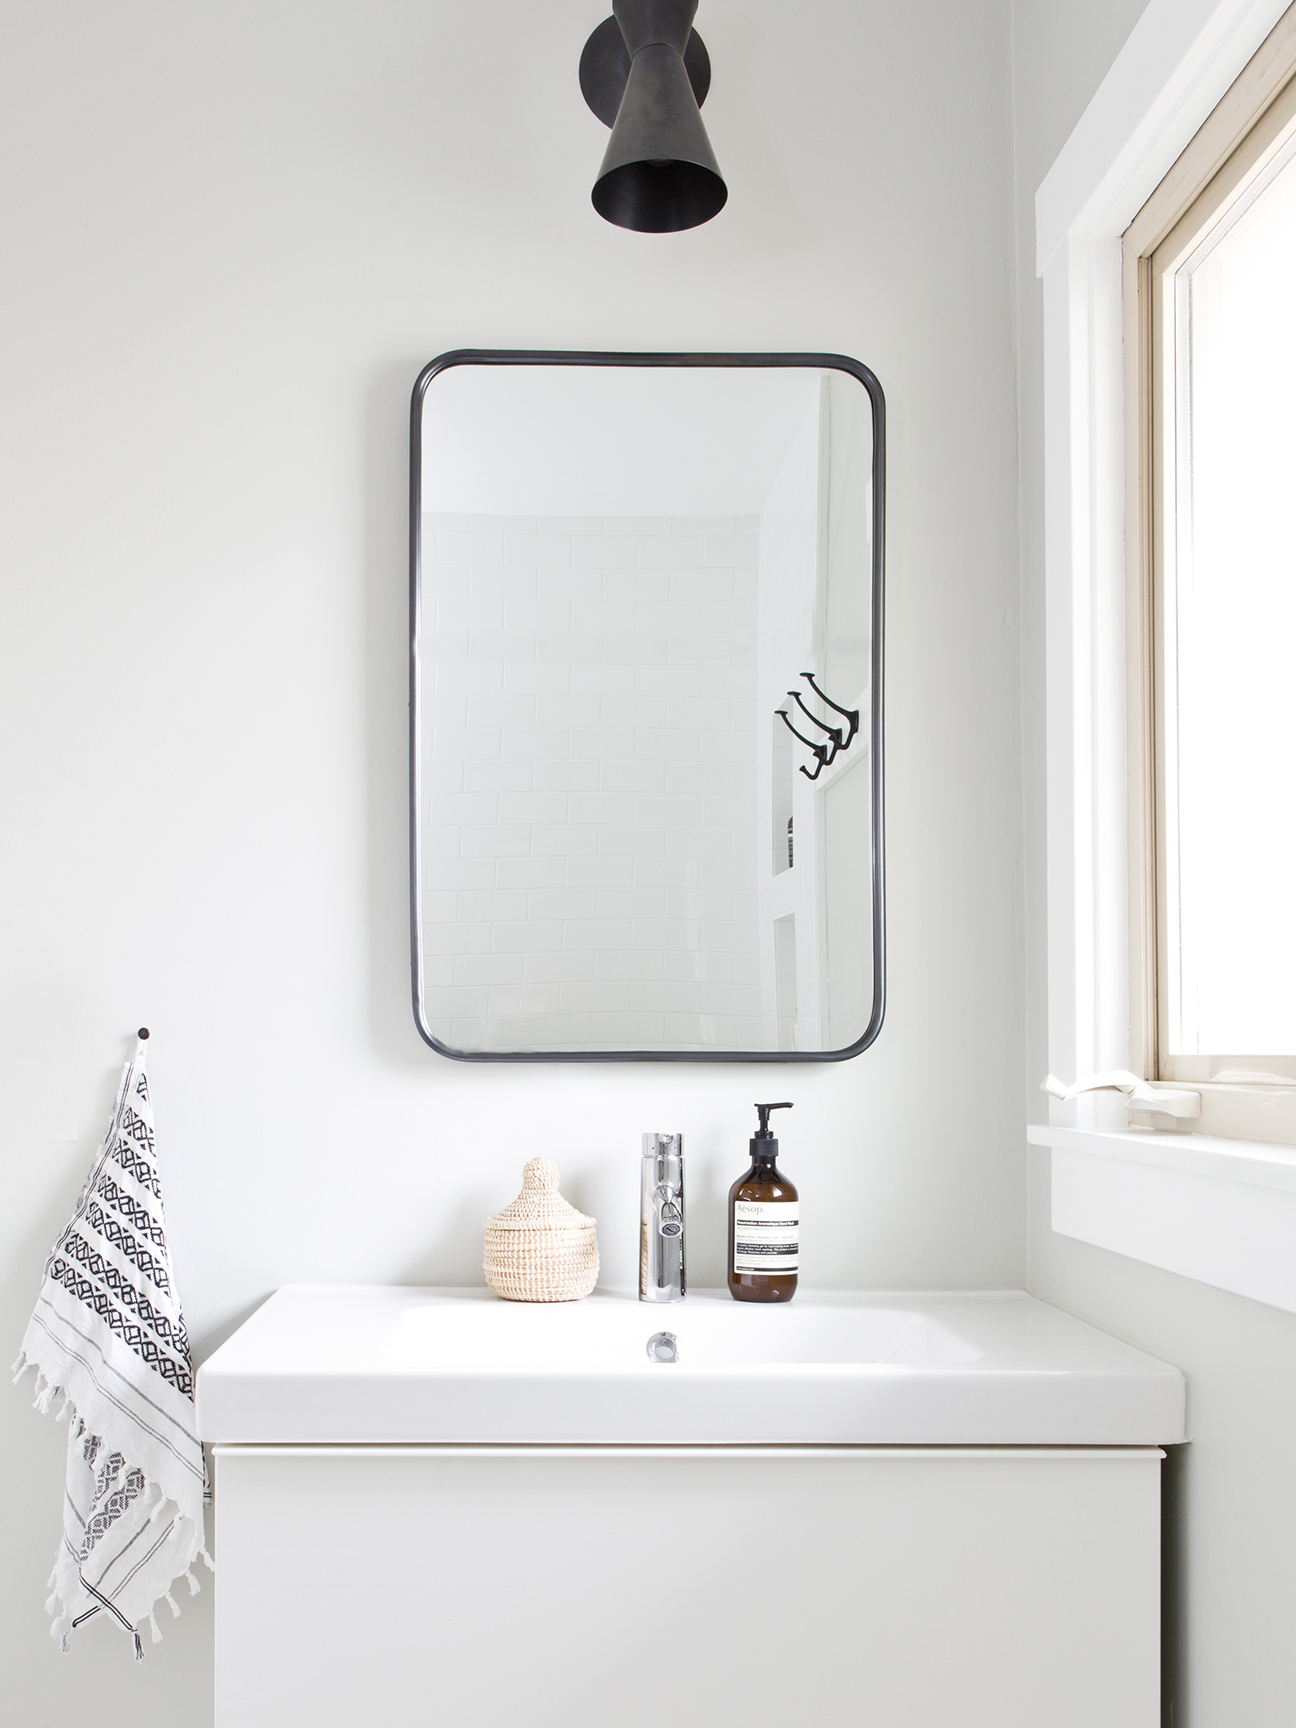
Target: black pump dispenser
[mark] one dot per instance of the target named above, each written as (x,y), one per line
(762,1143)
(764,1223)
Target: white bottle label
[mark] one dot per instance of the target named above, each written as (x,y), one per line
(767,1236)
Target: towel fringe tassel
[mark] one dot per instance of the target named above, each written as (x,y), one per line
(139,1648)
(172,1604)
(204,1555)
(153,1627)
(195,1588)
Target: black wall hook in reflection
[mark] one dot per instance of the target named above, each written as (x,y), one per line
(818,751)
(850,715)
(834,732)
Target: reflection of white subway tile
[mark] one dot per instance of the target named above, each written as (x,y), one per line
(558,968)
(459,873)
(495,841)
(446,999)
(729,998)
(530,873)
(458,938)
(503,524)
(631,1031)
(533,742)
(698,903)
(467,678)
(634,964)
(666,679)
(535,617)
(563,903)
(726,872)
(702,585)
(601,680)
(533,806)
(434,519)
(440,775)
(537,551)
(571,525)
(558,584)
(497,645)
(739,552)
(676,934)
(602,615)
(605,551)
(493,905)
(454,612)
(536,678)
(632,903)
(603,742)
(683,1031)
(566,776)
(643,840)
(673,996)
(636,584)
(701,967)
(496,775)
(457,546)
(439,968)
(439,646)
(666,872)
(628,774)
(562,840)
(464,807)
(743,903)
(602,806)
(672,807)
(707,524)
(596,933)
(489,968)
(596,997)
(566,710)
(658,551)
(746,968)
(734,935)
(525,937)
(498,580)
(600,872)
(440,842)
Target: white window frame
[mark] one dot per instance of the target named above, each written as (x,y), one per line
(1187,1202)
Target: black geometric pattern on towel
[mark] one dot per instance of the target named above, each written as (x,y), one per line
(131,1210)
(141,1342)
(121,1239)
(172,1334)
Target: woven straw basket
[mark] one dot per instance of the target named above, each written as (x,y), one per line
(540,1249)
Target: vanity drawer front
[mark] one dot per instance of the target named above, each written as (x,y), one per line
(488,1587)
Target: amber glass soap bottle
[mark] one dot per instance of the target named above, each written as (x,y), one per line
(764,1223)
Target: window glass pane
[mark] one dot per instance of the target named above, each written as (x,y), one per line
(1230,619)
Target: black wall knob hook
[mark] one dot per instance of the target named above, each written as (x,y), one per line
(850,715)
(818,751)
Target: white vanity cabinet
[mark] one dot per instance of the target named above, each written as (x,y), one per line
(588,1580)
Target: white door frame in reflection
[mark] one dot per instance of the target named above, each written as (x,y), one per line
(871,727)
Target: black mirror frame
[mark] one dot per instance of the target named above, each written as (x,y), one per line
(542,357)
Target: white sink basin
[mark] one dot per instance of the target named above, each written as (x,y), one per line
(339,1364)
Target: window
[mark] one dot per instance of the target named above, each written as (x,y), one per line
(1210,298)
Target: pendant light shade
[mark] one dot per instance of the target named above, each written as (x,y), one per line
(645,72)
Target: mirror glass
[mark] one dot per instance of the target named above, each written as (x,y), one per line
(622,569)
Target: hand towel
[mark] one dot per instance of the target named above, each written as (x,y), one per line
(108,1338)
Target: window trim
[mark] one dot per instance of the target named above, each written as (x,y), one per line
(1252,123)
(1181,58)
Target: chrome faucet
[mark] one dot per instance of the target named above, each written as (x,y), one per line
(661,1219)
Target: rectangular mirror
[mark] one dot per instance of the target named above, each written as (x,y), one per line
(646,706)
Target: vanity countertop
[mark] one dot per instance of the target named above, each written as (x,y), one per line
(346,1364)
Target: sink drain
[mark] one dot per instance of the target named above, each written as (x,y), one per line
(662,1347)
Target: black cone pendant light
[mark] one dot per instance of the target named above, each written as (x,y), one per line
(645,73)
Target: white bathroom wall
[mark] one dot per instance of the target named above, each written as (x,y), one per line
(588,774)
(1231,1496)
(232,236)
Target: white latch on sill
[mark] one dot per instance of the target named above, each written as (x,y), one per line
(1170,1106)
